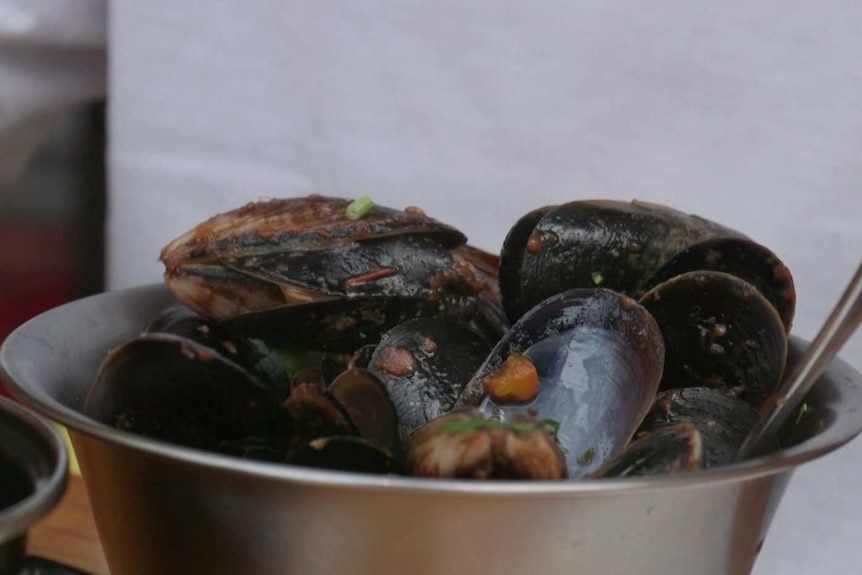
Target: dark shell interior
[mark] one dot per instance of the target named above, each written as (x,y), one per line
(742,258)
(315,414)
(252,354)
(171,388)
(364,397)
(352,454)
(662,451)
(719,332)
(722,420)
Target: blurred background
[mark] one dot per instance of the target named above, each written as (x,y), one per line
(52,220)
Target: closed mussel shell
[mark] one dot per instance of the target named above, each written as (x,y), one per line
(582,244)
(720,332)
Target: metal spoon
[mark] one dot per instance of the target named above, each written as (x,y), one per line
(843,321)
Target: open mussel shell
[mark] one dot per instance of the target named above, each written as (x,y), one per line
(352,454)
(590,243)
(364,397)
(723,421)
(464,444)
(425,364)
(720,332)
(171,388)
(252,354)
(663,451)
(742,258)
(598,355)
(315,413)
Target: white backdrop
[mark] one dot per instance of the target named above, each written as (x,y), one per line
(746,112)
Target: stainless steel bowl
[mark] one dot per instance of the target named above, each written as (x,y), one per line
(166,509)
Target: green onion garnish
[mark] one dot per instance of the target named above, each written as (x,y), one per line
(359,208)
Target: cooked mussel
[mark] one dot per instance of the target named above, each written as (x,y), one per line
(464,444)
(626,247)
(425,364)
(174,389)
(364,397)
(720,332)
(315,413)
(252,354)
(598,359)
(313,333)
(349,453)
(374,271)
(742,258)
(663,451)
(722,420)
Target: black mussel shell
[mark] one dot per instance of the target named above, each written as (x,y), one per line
(252,447)
(171,388)
(333,365)
(345,325)
(722,420)
(719,332)
(252,354)
(364,397)
(742,258)
(352,454)
(406,266)
(362,357)
(663,451)
(512,259)
(315,414)
(424,364)
(463,444)
(598,356)
(308,374)
(591,243)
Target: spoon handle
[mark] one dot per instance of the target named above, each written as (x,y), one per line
(841,324)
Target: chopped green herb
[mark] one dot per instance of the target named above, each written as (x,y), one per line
(802,411)
(587,456)
(598,278)
(359,208)
(292,360)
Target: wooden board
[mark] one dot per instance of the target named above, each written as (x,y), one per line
(68,535)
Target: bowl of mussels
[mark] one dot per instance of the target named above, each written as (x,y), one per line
(324,385)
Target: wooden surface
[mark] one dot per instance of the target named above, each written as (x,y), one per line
(68,534)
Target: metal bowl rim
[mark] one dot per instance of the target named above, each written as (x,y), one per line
(772,464)
(17,519)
